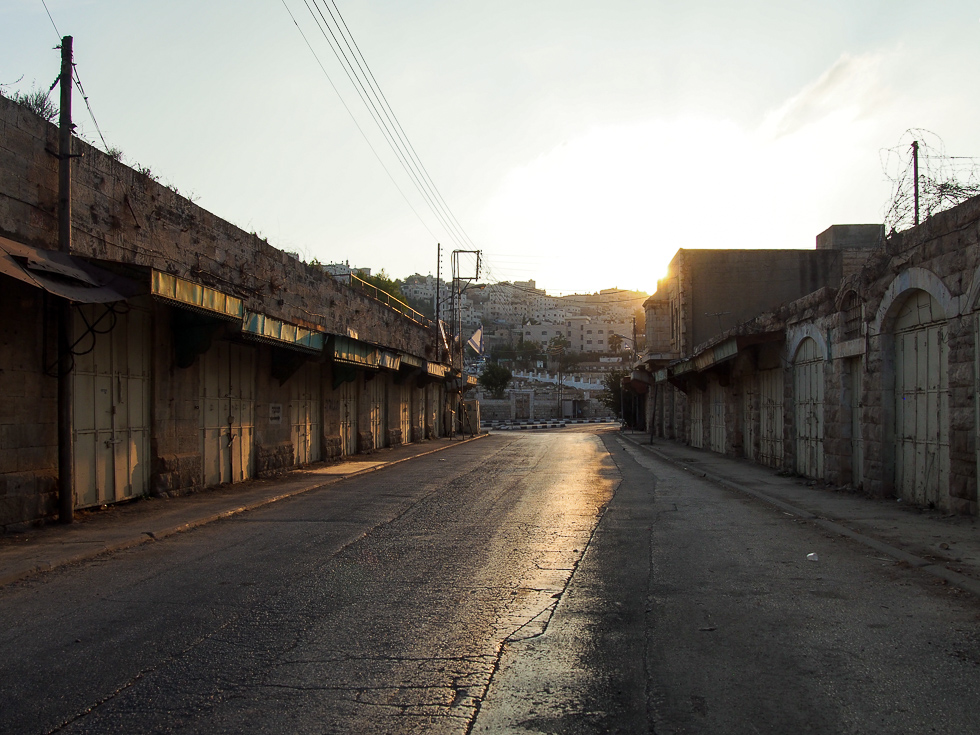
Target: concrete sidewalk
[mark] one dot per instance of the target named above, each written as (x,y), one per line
(943,545)
(121,526)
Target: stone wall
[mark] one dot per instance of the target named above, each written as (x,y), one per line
(28,405)
(940,257)
(131,224)
(122,216)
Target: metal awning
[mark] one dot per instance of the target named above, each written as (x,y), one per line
(411,361)
(64,275)
(389,360)
(196,296)
(282,334)
(436,370)
(352,352)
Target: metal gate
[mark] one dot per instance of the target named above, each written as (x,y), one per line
(348,417)
(522,406)
(855,386)
(748,425)
(696,407)
(808,404)
(716,417)
(304,413)
(405,413)
(921,402)
(111,389)
(771,417)
(228,412)
(378,410)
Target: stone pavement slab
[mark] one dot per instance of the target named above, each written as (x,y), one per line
(942,544)
(125,525)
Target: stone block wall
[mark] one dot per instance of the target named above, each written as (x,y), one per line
(122,216)
(28,404)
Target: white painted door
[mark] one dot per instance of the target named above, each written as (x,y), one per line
(348,417)
(696,408)
(227,412)
(771,417)
(808,390)
(716,417)
(111,389)
(304,413)
(921,403)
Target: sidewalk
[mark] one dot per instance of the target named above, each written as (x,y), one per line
(943,545)
(130,524)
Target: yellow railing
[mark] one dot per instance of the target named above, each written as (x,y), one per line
(385,298)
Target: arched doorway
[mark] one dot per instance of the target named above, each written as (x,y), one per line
(808,403)
(921,415)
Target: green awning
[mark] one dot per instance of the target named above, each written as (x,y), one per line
(195,296)
(389,360)
(353,352)
(411,361)
(282,333)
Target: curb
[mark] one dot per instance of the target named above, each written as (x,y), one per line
(157,535)
(961,581)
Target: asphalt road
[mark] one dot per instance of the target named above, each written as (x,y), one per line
(558,582)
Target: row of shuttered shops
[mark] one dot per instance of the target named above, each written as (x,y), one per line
(183,388)
(874,410)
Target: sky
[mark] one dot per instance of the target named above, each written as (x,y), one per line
(579,144)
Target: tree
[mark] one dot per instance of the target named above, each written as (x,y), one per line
(495,379)
(612,395)
(615,343)
(390,286)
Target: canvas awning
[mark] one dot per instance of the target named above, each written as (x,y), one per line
(64,275)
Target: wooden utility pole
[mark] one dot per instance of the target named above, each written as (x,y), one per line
(66,449)
(915,177)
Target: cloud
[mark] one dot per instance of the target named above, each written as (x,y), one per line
(853,86)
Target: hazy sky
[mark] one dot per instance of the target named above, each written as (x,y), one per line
(578,143)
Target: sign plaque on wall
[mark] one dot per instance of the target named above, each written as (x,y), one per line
(275,413)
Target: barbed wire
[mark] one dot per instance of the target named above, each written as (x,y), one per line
(944,181)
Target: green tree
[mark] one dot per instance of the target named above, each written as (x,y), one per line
(612,395)
(615,342)
(391,286)
(495,379)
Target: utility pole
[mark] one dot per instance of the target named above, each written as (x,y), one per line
(66,449)
(915,177)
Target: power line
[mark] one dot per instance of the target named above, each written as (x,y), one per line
(354,120)
(77,80)
(372,108)
(367,88)
(400,128)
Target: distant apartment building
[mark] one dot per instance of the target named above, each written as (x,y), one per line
(344,269)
